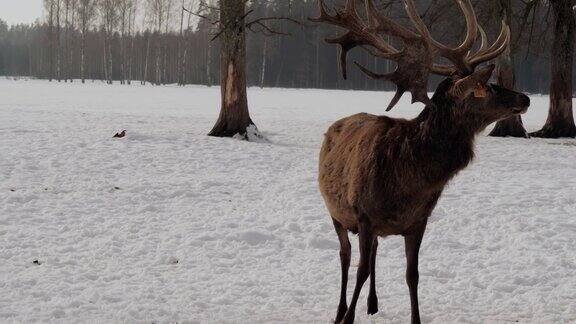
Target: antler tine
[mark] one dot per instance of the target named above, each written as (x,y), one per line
(456,55)
(323,14)
(471,26)
(415,59)
(371,13)
(496,49)
(415,62)
(358,33)
(484,44)
(445,70)
(350,7)
(386,25)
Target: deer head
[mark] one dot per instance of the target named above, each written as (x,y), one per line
(467,85)
(473,99)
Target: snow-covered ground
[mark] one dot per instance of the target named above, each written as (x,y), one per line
(169,225)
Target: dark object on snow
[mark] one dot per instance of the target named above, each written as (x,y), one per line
(120,135)
(36,262)
(12,190)
(117,188)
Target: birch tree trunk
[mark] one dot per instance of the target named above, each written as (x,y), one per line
(58,32)
(180,66)
(51,39)
(110,58)
(122,57)
(66,65)
(145,72)
(158,50)
(73,44)
(209,64)
(234,116)
(83,57)
(168,6)
(105,60)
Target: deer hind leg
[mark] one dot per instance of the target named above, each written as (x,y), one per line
(412,245)
(372,297)
(366,240)
(345,252)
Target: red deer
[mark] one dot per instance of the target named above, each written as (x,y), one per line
(381,176)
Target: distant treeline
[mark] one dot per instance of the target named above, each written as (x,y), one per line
(104,44)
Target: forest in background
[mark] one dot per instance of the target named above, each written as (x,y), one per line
(156,41)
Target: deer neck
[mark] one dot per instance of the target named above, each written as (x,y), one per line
(447,139)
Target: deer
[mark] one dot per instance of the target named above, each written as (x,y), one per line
(382,176)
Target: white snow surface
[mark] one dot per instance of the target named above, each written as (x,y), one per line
(170,225)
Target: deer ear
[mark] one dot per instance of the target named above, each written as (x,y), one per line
(473,83)
(483,74)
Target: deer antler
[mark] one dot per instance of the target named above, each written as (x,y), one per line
(464,63)
(415,61)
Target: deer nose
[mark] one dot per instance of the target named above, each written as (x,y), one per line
(524,101)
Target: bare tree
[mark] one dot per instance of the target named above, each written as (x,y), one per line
(560,122)
(66,47)
(264,50)
(125,10)
(168,8)
(50,7)
(157,13)
(131,28)
(182,50)
(146,60)
(109,17)
(183,63)
(234,116)
(58,41)
(512,126)
(69,27)
(86,13)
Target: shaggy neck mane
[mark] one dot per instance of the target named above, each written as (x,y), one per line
(444,136)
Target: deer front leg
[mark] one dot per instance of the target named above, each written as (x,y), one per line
(366,239)
(372,297)
(345,252)
(412,246)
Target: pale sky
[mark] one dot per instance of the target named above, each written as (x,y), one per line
(20,11)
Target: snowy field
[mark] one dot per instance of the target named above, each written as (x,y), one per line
(169,225)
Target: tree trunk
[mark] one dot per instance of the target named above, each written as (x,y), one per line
(110,58)
(512,126)
(130,55)
(122,56)
(83,57)
(180,67)
(58,47)
(158,48)
(51,39)
(209,63)
(560,122)
(264,53)
(145,72)
(263,67)
(72,42)
(66,65)
(234,116)
(105,61)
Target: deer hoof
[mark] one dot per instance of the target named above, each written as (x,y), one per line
(342,309)
(349,318)
(372,304)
